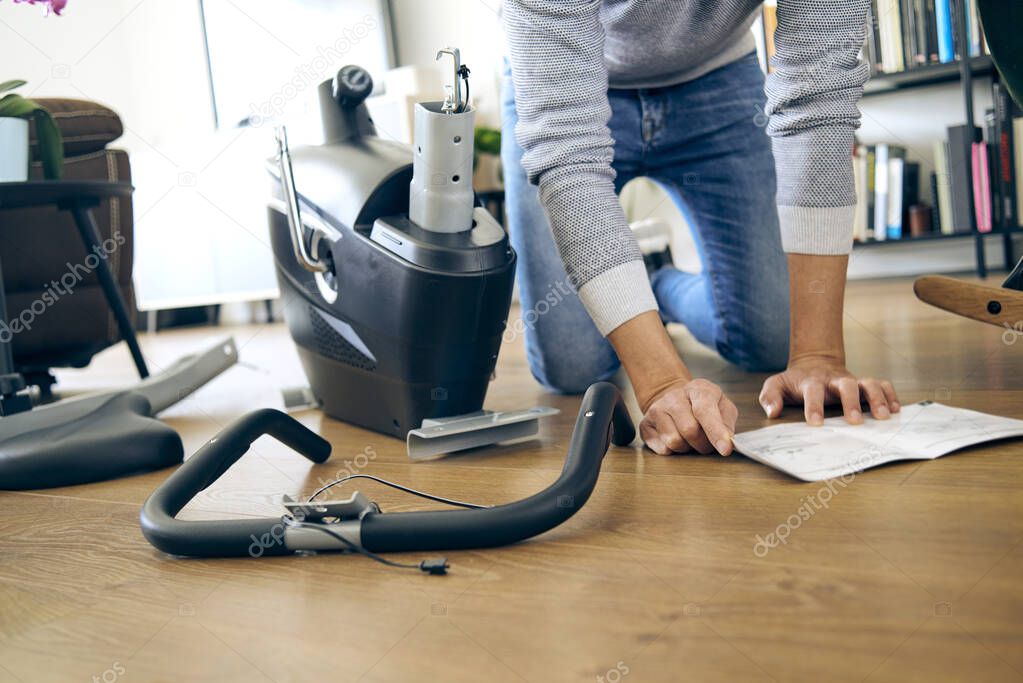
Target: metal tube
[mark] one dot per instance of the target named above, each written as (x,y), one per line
(291,203)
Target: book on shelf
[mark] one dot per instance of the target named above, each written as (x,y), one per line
(935,204)
(974,33)
(871,167)
(904,192)
(981,186)
(872,46)
(1017,155)
(1002,148)
(770,23)
(943,20)
(991,142)
(912,55)
(893,222)
(960,146)
(880,192)
(861,225)
(929,27)
(943,182)
(889,166)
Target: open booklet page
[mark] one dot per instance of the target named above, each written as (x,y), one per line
(922,431)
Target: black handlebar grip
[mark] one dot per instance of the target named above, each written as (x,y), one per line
(623,432)
(602,419)
(231,537)
(351,86)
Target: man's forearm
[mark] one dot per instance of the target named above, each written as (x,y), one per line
(649,357)
(817,294)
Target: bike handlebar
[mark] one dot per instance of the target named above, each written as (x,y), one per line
(602,419)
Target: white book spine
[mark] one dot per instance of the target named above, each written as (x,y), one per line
(944,187)
(894,223)
(860,181)
(880,191)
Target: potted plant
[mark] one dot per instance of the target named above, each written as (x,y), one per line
(15,112)
(486,159)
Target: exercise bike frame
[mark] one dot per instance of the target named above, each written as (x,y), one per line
(603,419)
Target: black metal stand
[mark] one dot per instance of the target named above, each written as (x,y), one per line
(13,398)
(962,48)
(1007,226)
(86,224)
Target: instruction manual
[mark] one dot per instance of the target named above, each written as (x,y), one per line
(922,431)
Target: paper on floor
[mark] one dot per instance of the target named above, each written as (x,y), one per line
(922,431)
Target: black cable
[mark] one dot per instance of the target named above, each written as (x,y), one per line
(400,487)
(435,566)
(464,73)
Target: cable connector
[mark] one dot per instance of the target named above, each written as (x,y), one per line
(436,565)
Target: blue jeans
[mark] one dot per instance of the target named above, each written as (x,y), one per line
(704,143)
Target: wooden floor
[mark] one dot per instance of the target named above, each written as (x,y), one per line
(913,572)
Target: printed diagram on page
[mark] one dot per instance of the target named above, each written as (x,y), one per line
(921,431)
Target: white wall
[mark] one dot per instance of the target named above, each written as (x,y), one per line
(473,26)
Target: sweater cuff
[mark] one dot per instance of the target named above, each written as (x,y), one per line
(618,295)
(824,231)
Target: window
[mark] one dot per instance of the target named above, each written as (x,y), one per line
(267,57)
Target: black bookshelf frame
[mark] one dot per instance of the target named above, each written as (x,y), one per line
(930,237)
(926,74)
(961,42)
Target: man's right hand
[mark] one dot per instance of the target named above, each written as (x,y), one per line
(689,415)
(681,414)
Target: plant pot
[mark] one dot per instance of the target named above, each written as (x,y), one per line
(13,149)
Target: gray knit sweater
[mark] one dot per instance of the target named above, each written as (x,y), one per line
(565,54)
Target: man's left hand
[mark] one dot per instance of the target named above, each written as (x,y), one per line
(819,381)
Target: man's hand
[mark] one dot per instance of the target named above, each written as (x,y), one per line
(817,381)
(817,375)
(690,415)
(680,414)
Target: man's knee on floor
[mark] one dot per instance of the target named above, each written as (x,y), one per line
(760,347)
(567,370)
(562,380)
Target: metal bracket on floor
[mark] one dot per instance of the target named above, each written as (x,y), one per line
(483,428)
(355,506)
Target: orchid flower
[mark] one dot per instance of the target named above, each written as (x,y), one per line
(52,6)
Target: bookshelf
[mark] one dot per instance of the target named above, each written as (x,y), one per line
(959,73)
(963,71)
